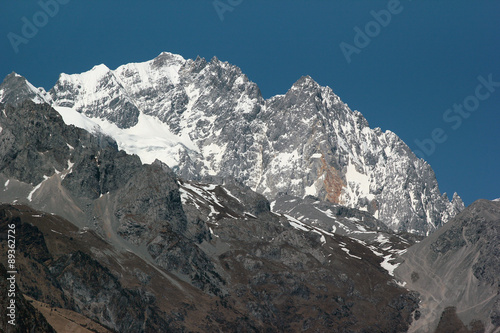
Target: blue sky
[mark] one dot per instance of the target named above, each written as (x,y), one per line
(403,76)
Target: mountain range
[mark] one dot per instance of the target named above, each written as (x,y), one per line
(170,196)
(207,119)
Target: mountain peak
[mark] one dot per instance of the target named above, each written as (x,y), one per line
(305,82)
(100,68)
(88,78)
(170,56)
(13,77)
(457,202)
(15,89)
(166,59)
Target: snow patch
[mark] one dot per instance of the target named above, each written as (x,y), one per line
(359,183)
(382,239)
(349,254)
(30,195)
(251,215)
(401,284)
(296,223)
(150,138)
(232,196)
(388,266)
(310,190)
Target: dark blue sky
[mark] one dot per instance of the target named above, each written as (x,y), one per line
(404,78)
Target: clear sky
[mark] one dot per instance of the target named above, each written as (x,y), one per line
(405,71)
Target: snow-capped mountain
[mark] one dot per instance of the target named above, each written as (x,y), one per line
(207,119)
(110,239)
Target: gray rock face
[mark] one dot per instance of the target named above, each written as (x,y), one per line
(100,171)
(326,215)
(33,143)
(306,142)
(149,211)
(35,135)
(458,266)
(97,292)
(351,222)
(15,89)
(74,280)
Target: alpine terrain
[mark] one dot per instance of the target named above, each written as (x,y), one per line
(206,118)
(169,196)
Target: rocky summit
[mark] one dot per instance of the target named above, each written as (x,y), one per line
(169,196)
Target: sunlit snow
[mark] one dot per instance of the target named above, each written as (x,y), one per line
(150,138)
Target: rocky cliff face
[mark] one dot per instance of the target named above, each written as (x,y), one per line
(63,274)
(211,120)
(17,89)
(456,270)
(147,251)
(27,318)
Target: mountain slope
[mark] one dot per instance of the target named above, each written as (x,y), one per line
(458,266)
(209,119)
(135,248)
